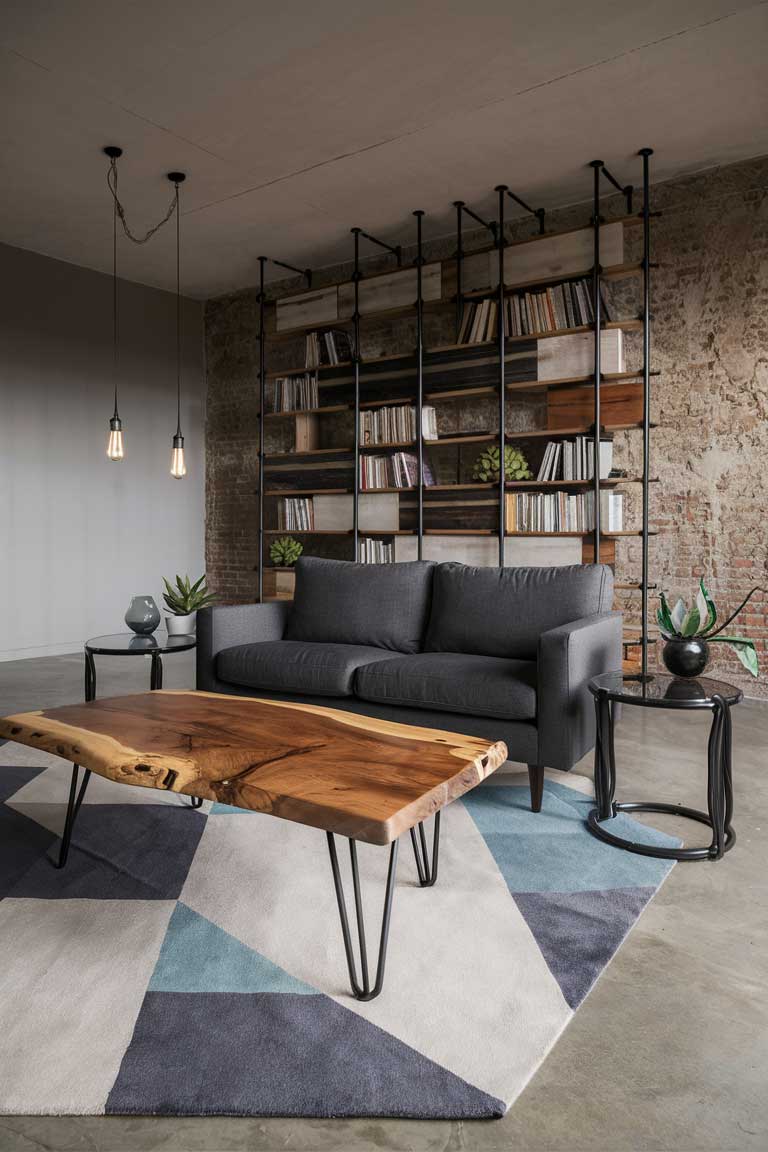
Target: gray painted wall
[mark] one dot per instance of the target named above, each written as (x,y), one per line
(79,534)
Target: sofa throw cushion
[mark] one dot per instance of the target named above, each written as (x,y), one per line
(503,611)
(337,602)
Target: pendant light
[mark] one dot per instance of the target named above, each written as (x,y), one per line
(115,442)
(178,466)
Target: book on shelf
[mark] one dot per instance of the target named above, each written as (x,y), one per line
(575,459)
(295,392)
(376,551)
(393,425)
(556,308)
(398,470)
(333,346)
(295,514)
(563,511)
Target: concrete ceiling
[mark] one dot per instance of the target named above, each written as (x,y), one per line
(296,120)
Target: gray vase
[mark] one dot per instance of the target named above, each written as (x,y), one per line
(143,615)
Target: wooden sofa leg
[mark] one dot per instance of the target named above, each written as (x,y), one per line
(536,777)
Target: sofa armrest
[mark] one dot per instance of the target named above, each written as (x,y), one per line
(227,625)
(569,656)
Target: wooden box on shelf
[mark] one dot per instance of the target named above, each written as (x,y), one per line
(574,407)
(279,583)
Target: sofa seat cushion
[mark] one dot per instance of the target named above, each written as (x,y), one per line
(453,682)
(292,666)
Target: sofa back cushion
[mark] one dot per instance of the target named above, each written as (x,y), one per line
(384,605)
(502,611)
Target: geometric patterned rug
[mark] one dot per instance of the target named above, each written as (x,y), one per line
(191,962)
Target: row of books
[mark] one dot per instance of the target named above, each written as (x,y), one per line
(398,470)
(575,459)
(395,425)
(553,309)
(563,512)
(376,551)
(331,347)
(295,514)
(295,392)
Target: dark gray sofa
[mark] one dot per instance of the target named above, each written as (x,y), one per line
(501,653)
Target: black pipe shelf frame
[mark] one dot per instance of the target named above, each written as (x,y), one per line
(498,351)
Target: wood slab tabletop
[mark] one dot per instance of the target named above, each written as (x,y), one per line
(364,778)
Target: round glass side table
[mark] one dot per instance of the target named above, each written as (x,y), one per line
(663,691)
(129,644)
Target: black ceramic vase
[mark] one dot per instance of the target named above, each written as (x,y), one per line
(686,657)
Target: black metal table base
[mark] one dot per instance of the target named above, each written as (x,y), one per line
(719,790)
(362,989)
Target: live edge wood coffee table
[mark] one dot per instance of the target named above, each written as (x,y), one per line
(352,776)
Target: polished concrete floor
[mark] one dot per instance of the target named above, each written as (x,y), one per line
(670,1050)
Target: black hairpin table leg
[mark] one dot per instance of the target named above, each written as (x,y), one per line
(427,870)
(73,807)
(361,988)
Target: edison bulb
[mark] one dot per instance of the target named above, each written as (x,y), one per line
(115,443)
(178,467)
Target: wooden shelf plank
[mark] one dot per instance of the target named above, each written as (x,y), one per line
(307,491)
(557,433)
(309,411)
(612,272)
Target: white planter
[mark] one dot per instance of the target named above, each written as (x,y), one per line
(181,625)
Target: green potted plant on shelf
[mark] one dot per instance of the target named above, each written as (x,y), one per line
(280,581)
(486,467)
(285,551)
(183,600)
(688,632)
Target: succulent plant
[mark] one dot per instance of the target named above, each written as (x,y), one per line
(486,466)
(185,597)
(698,621)
(285,551)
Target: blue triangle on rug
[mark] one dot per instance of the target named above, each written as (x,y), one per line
(579,932)
(198,956)
(267,1054)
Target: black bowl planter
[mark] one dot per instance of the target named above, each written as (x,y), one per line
(686,657)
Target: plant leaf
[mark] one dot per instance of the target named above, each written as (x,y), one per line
(663,617)
(691,621)
(744,649)
(706,605)
(678,616)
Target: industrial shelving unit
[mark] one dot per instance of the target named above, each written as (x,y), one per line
(433,376)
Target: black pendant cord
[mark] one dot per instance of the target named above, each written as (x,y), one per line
(646,153)
(113,154)
(420,382)
(502,190)
(458,205)
(178,313)
(116,414)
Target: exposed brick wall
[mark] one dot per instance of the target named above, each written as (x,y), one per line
(709,340)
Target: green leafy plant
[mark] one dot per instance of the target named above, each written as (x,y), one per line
(285,551)
(486,467)
(698,621)
(185,597)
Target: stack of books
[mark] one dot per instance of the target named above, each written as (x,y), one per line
(295,513)
(400,470)
(563,512)
(331,347)
(396,425)
(554,309)
(292,393)
(376,551)
(575,459)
